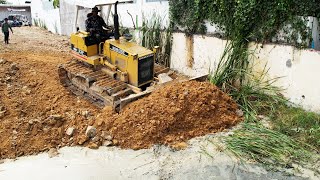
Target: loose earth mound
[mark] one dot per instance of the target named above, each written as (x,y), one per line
(171,115)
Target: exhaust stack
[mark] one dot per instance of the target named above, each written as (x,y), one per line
(116,22)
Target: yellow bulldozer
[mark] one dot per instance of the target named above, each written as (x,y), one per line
(112,72)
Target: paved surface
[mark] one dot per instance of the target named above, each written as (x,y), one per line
(156,163)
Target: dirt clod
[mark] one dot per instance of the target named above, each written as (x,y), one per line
(91,132)
(53,152)
(93,145)
(107,143)
(70,131)
(180,146)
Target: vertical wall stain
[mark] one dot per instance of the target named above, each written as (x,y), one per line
(190,44)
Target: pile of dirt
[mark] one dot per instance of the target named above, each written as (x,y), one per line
(171,115)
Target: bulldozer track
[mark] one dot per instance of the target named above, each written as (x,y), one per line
(94,85)
(98,87)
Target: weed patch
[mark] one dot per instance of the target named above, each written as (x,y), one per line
(299,124)
(268,147)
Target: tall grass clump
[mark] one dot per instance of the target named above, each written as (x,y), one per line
(268,147)
(154,34)
(40,23)
(36,22)
(255,93)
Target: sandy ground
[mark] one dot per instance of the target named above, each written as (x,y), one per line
(202,160)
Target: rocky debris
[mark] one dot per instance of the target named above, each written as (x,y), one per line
(14,67)
(53,152)
(106,136)
(85,113)
(164,78)
(107,143)
(91,132)
(31,121)
(70,131)
(240,113)
(14,132)
(3,61)
(95,139)
(180,146)
(56,117)
(82,140)
(93,145)
(26,90)
(70,116)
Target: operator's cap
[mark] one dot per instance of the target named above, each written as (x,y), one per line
(95,9)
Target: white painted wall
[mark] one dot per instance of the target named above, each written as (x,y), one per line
(299,70)
(44,10)
(300,80)
(138,10)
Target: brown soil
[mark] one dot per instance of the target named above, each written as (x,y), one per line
(31,93)
(36,111)
(171,115)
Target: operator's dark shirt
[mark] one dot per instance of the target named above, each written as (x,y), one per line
(95,23)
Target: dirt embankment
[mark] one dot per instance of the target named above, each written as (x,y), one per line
(37,113)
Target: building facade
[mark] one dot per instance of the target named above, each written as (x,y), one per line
(8,9)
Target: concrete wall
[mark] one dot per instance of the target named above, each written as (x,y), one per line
(44,11)
(299,69)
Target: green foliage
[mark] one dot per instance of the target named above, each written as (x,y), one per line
(299,124)
(258,20)
(268,147)
(154,35)
(40,23)
(55,3)
(3,2)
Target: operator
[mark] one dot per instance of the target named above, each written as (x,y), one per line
(95,24)
(5,29)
